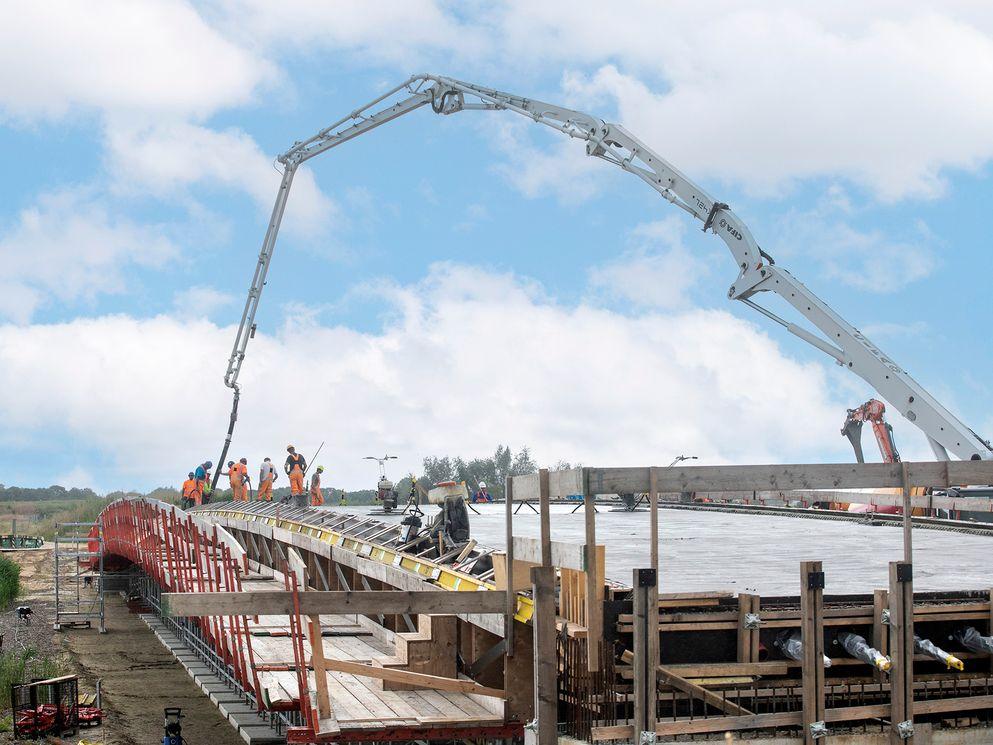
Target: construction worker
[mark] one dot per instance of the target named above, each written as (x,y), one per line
(202,476)
(267,475)
(481,494)
(246,480)
(343,500)
(295,468)
(190,489)
(316,497)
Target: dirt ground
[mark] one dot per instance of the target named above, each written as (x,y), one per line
(139,676)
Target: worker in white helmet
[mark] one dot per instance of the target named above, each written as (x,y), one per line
(481,494)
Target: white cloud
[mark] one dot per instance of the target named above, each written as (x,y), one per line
(762,96)
(559,167)
(154,57)
(657,272)
(890,330)
(72,247)
(199,301)
(434,381)
(869,260)
(168,158)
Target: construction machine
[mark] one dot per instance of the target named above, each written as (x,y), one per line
(757,272)
(871,411)
(386,493)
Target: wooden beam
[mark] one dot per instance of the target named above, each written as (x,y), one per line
(419,680)
(880,631)
(546,698)
(562,554)
(812,634)
(788,477)
(643,658)
(670,677)
(901,598)
(545,546)
(594,582)
(510,595)
(196,604)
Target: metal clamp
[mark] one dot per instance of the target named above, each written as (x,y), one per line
(752,621)
(905,729)
(714,209)
(648,737)
(818,730)
(884,617)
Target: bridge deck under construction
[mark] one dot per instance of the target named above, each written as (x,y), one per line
(333,630)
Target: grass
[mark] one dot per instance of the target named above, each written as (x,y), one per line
(22,665)
(10,582)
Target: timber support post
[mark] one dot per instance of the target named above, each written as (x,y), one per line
(902,652)
(594,582)
(546,694)
(812,634)
(646,626)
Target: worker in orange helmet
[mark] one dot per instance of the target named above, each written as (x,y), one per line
(189,493)
(295,468)
(267,474)
(316,497)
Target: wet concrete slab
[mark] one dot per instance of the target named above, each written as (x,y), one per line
(702,551)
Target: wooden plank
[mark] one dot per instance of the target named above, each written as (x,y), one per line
(594,580)
(908,543)
(901,597)
(510,596)
(643,660)
(670,677)
(520,573)
(562,484)
(788,477)
(728,724)
(880,631)
(420,680)
(729,669)
(341,602)
(544,519)
(812,631)
(563,554)
(546,700)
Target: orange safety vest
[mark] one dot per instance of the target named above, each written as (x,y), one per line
(190,488)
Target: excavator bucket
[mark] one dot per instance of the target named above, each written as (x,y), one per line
(853,431)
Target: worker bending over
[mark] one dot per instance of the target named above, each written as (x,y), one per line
(295,468)
(316,497)
(190,491)
(267,475)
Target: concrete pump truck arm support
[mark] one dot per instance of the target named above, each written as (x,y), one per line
(757,272)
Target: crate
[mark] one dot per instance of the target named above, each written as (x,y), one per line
(45,707)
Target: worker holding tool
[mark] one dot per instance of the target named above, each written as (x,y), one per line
(481,494)
(316,497)
(295,468)
(246,480)
(267,475)
(202,476)
(190,489)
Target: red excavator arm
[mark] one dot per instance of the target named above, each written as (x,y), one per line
(871,411)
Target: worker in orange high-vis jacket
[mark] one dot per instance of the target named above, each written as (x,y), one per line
(295,468)
(316,497)
(237,483)
(189,493)
(267,475)
(246,480)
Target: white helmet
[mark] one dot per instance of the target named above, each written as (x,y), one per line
(482,484)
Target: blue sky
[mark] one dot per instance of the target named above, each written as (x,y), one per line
(445,284)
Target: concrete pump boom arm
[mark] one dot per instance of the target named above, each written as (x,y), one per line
(757,272)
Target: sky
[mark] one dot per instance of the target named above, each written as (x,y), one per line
(446,284)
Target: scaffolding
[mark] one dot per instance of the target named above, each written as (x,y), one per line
(79,576)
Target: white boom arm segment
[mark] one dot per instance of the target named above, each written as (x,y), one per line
(757,272)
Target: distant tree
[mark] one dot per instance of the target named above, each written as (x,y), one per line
(493,470)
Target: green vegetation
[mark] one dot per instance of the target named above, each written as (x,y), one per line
(20,665)
(10,581)
(23,494)
(494,471)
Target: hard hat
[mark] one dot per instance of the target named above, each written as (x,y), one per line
(482,484)
(266,460)
(208,464)
(244,460)
(320,468)
(290,447)
(191,474)
(230,463)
